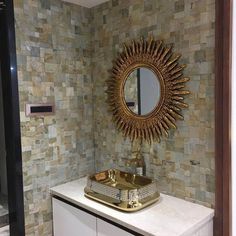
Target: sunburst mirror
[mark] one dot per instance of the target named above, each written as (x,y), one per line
(146,90)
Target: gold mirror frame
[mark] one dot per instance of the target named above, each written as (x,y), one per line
(159,58)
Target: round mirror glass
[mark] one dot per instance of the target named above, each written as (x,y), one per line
(142,91)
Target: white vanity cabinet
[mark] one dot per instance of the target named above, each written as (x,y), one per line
(71,221)
(76,215)
(106,229)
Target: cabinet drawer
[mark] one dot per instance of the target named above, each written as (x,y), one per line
(68,220)
(106,229)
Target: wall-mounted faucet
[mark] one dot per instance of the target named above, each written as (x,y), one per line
(137,163)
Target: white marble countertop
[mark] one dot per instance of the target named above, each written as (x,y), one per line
(169,217)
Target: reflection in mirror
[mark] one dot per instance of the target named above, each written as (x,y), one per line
(142,91)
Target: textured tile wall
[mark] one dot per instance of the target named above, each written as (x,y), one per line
(183,163)
(59,47)
(54,65)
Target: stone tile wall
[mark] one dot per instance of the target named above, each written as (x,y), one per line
(183,163)
(64,53)
(54,65)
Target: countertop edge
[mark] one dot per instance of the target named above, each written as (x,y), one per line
(199,225)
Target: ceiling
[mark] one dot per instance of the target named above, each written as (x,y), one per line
(86,3)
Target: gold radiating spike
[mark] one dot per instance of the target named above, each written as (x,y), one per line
(150,135)
(112,85)
(120,58)
(149,44)
(137,44)
(178,69)
(180,104)
(165,126)
(136,134)
(121,125)
(145,46)
(173,108)
(124,56)
(170,117)
(141,45)
(127,128)
(153,46)
(181,80)
(158,131)
(167,57)
(172,66)
(163,130)
(181,92)
(113,74)
(115,71)
(146,135)
(130,51)
(154,132)
(109,81)
(160,53)
(117,63)
(178,98)
(133,47)
(116,120)
(157,49)
(169,123)
(176,115)
(166,51)
(178,86)
(109,91)
(174,60)
(132,134)
(157,137)
(175,76)
(162,119)
(140,133)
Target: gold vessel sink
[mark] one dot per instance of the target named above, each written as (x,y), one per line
(122,190)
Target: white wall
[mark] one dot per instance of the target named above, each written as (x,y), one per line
(234,121)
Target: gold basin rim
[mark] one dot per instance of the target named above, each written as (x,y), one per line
(124,199)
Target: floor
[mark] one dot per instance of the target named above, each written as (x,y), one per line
(4,231)
(3,211)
